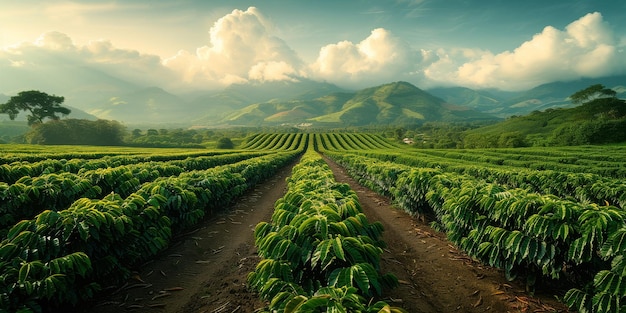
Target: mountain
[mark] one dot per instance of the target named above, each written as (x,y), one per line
(78,113)
(481,100)
(546,96)
(113,95)
(81,86)
(150,105)
(394,103)
(556,94)
(215,107)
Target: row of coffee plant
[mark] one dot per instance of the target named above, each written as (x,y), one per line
(56,191)
(351,141)
(576,163)
(62,257)
(537,236)
(526,157)
(319,252)
(36,153)
(13,171)
(597,153)
(585,187)
(270,141)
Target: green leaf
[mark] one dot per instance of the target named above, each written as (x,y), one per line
(322,254)
(562,232)
(605,303)
(338,248)
(8,251)
(577,251)
(615,244)
(361,278)
(608,282)
(315,302)
(294,304)
(18,229)
(83,230)
(577,300)
(341,277)
(24,272)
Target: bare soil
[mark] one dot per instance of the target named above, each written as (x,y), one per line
(206,270)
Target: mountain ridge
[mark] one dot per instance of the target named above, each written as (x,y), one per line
(106,96)
(392,103)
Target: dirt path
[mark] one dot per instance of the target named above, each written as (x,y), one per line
(435,276)
(205,271)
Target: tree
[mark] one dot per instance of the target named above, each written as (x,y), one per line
(592,92)
(224,143)
(78,132)
(39,104)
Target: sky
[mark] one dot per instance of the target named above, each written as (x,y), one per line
(196,44)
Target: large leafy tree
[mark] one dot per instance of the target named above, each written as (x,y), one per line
(40,105)
(592,92)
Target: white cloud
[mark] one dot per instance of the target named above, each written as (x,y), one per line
(586,48)
(378,58)
(56,52)
(272,71)
(55,41)
(241,47)
(144,69)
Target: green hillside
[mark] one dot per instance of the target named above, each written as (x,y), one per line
(545,96)
(238,103)
(595,122)
(394,103)
(480,100)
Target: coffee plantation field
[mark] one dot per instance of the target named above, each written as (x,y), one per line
(74,219)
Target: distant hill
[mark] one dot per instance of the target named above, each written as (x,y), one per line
(542,97)
(137,101)
(480,100)
(213,108)
(394,103)
(80,85)
(597,121)
(78,114)
(144,106)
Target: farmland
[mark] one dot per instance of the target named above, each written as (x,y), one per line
(78,222)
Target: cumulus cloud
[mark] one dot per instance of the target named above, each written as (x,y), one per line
(55,50)
(378,58)
(55,41)
(129,64)
(241,47)
(272,71)
(585,48)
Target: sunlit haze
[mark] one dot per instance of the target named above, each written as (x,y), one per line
(187,44)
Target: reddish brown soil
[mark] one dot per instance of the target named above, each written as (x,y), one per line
(206,270)
(434,275)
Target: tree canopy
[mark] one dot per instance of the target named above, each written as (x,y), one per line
(592,92)
(40,105)
(77,132)
(225,143)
